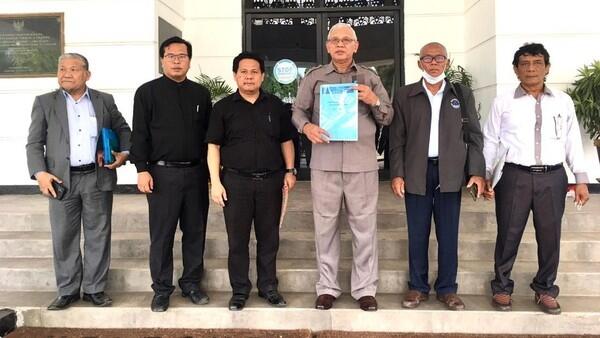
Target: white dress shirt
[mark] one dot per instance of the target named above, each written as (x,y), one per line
(83,129)
(534,132)
(435,101)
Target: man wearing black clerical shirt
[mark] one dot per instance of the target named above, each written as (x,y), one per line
(170,118)
(251,163)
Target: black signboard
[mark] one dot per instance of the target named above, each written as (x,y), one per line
(30,44)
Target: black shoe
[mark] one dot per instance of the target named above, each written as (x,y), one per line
(98,299)
(197,297)
(160,303)
(63,302)
(237,302)
(274,298)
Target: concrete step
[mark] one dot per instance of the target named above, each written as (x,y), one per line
(581,315)
(30,213)
(393,244)
(300,275)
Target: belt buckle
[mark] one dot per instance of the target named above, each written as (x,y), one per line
(259,176)
(538,169)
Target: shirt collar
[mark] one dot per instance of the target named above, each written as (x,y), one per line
(520,92)
(329,68)
(69,97)
(238,97)
(441,91)
(173,82)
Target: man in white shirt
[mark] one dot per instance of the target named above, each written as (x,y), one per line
(535,128)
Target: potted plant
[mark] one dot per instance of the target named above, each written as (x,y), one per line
(217,87)
(585,92)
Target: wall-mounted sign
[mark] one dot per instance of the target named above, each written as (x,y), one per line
(285,71)
(30,44)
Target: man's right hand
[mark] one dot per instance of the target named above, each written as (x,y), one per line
(488,193)
(218,193)
(145,183)
(398,186)
(44,180)
(315,134)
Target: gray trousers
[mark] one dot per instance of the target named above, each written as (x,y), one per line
(359,193)
(84,203)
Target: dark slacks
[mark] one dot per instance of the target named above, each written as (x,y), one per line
(517,193)
(259,201)
(180,194)
(446,210)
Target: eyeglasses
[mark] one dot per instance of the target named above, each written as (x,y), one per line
(345,41)
(535,64)
(429,58)
(178,57)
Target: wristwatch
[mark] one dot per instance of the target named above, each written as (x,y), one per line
(293,171)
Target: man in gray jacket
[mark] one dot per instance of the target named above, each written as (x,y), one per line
(428,158)
(344,171)
(63,147)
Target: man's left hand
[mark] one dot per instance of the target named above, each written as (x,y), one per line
(480,182)
(366,95)
(289,181)
(120,158)
(582,194)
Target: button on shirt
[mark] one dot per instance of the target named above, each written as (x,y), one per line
(169,122)
(436,102)
(535,132)
(83,129)
(250,134)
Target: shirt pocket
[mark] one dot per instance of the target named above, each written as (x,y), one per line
(270,123)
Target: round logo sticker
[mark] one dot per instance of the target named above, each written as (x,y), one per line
(285,71)
(455,103)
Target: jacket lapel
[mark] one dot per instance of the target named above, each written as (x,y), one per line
(60,109)
(98,109)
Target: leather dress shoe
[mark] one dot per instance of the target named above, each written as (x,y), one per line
(197,297)
(237,302)
(160,303)
(324,302)
(367,303)
(547,303)
(98,299)
(452,301)
(274,298)
(502,301)
(63,302)
(413,298)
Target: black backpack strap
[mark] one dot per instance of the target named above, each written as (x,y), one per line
(464,117)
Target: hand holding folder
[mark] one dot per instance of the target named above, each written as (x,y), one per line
(110,143)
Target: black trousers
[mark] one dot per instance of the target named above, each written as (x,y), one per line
(517,193)
(180,194)
(259,201)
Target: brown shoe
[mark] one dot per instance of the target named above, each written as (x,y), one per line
(368,303)
(413,298)
(452,301)
(324,302)
(547,303)
(502,301)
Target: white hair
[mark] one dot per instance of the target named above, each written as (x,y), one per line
(341,25)
(77,56)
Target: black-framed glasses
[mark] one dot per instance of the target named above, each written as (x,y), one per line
(429,58)
(178,57)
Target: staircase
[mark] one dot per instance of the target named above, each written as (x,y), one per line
(27,281)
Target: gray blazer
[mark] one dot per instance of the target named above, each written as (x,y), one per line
(48,141)
(409,139)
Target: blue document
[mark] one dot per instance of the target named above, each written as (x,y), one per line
(110,142)
(339,111)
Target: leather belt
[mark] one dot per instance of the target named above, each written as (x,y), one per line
(535,169)
(175,164)
(85,167)
(433,160)
(255,175)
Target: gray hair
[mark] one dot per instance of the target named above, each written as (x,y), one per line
(341,25)
(77,56)
(433,43)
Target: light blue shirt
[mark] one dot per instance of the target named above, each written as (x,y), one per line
(83,129)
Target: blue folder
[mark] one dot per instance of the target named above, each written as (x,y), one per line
(110,142)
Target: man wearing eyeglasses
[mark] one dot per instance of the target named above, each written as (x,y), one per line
(344,171)
(428,158)
(170,119)
(535,129)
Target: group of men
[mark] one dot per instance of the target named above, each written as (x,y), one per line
(244,144)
